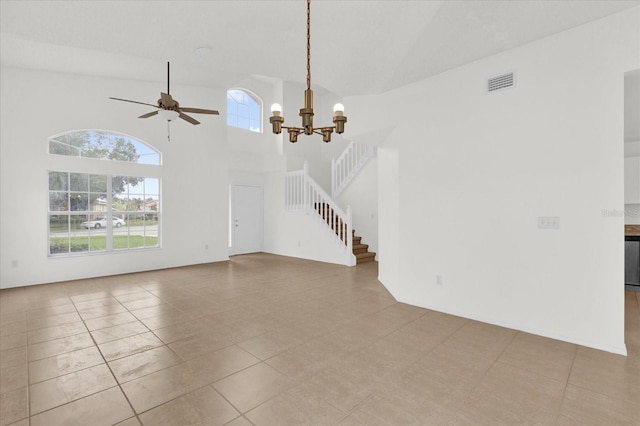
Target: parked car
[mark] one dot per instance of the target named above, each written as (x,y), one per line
(102,223)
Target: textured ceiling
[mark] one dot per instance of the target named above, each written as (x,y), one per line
(357,47)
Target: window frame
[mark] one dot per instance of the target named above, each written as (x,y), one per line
(82,169)
(250,119)
(151,149)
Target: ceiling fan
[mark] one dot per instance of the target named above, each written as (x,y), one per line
(169,108)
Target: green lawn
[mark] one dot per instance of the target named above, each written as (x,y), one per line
(99,243)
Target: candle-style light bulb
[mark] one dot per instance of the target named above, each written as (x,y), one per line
(276,109)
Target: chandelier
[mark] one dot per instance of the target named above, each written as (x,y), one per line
(306,113)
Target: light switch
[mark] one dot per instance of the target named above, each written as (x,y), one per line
(548,222)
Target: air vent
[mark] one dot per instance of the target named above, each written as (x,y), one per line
(500,82)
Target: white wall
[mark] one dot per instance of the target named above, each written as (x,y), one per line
(388,217)
(476,170)
(36,105)
(362,195)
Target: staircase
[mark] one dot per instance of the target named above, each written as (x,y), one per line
(360,251)
(303,194)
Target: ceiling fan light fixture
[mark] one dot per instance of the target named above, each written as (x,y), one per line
(168,114)
(169,108)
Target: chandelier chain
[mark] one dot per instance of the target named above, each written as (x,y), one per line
(308,44)
(306,113)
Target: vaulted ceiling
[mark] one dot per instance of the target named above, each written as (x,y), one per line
(357,47)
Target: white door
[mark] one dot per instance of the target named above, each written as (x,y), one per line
(247,224)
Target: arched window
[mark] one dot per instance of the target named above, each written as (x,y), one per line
(244,110)
(103,145)
(111,210)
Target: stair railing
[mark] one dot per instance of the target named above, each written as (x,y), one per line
(302,193)
(295,193)
(348,164)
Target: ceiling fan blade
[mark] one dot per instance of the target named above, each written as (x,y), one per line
(149,114)
(200,111)
(189,119)
(134,102)
(167,101)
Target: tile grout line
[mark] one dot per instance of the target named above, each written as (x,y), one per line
(484,374)
(109,366)
(455,330)
(28,374)
(566,384)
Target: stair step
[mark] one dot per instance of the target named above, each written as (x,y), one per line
(360,251)
(360,248)
(365,257)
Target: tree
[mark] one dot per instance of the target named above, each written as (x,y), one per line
(101,145)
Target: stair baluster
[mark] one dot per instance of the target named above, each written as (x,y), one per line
(302,193)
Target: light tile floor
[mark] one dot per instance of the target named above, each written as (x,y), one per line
(270,340)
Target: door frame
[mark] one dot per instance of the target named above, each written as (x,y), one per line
(232,215)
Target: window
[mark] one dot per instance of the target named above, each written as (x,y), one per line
(244,110)
(91,212)
(103,145)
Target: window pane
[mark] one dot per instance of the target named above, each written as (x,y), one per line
(134,213)
(97,243)
(58,201)
(149,158)
(79,243)
(234,95)
(121,239)
(231,105)
(61,148)
(78,221)
(98,203)
(58,181)
(98,183)
(152,204)
(151,230)
(254,112)
(243,123)
(104,146)
(59,244)
(79,201)
(58,223)
(243,110)
(152,186)
(59,234)
(79,182)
